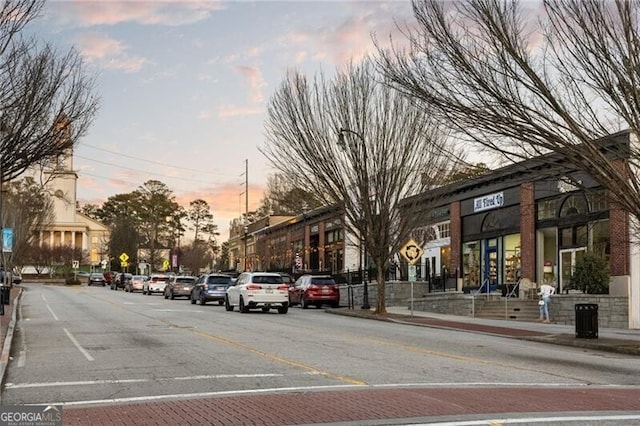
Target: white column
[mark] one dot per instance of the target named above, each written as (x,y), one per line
(73,239)
(62,235)
(40,238)
(51,234)
(85,241)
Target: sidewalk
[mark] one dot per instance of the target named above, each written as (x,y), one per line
(622,341)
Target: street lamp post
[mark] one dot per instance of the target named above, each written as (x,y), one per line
(363,222)
(246,231)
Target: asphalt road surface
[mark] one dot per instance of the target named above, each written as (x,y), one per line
(94,349)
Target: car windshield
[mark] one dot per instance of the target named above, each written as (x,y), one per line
(154,279)
(267,279)
(322,281)
(219,280)
(96,276)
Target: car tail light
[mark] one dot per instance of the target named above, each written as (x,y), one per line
(314,287)
(253,287)
(283,287)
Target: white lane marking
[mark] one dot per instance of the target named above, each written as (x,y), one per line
(80,348)
(22,359)
(55,317)
(204,395)
(22,343)
(116,381)
(527,420)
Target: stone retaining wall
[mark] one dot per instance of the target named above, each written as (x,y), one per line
(612,310)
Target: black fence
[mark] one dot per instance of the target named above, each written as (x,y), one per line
(437,282)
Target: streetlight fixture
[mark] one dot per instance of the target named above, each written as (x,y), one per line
(363,222)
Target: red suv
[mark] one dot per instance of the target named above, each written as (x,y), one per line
(314,290)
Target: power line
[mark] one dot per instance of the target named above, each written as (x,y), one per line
(142,171)
(145,160)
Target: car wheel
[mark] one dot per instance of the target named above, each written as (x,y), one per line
(202,301)
(303,303)
(227,306)
(265,309)
(242,306)
(335,305)
(220,302)
(283,309)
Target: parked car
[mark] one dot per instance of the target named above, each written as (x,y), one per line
(16,278)
(287,279)
(109,276)
(179,286)
(120,281)
(258,290)
(155,284)
(97,279)
(136,283)
(315,290)
(210,288)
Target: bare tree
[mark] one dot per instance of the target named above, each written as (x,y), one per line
(284,198)
(46,97)
(358,144)
(523,88)
(26,207)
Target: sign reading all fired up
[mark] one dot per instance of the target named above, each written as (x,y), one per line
(488,202)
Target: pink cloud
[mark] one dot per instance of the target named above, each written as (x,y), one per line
(107,53)
(86,13)
(254,79)
(228,111)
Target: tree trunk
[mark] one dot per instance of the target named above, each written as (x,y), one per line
(382,285)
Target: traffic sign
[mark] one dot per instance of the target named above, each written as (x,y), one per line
(124,257)
(165,264)
(75,264)
(412,252)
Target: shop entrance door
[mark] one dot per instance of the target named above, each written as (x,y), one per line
(568,259)
(490,266)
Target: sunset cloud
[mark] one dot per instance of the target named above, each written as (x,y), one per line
(88,13)
(253,77)
(106,52)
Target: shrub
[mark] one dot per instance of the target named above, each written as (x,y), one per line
(72,281)
(591,275)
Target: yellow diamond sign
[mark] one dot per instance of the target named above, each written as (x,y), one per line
(124,257)
(412,252)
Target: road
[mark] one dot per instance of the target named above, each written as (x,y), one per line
(85,347)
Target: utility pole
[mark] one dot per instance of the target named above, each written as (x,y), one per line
(246,210)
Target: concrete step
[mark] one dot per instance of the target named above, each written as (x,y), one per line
(515,309)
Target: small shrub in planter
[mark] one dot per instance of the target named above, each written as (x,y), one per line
(591,275)
(72,281)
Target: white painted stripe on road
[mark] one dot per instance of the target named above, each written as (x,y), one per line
(122,381)
(528,420)
(55,317)
(80,348)
(202,395)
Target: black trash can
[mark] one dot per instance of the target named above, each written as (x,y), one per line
(5,294)
(586,320)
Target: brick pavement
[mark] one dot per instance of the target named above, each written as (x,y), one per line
(366,406)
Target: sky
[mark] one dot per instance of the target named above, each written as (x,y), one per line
(184,86)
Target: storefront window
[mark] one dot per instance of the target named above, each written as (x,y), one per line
(582,236)
(471,263)
(600,237)
(511,258)
(597,202)
(574,205)
(547,209)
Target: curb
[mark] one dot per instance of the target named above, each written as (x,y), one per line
(6,347)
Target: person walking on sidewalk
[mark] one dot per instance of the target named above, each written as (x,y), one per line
(545,292)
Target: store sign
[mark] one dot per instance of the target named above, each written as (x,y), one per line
(488,202)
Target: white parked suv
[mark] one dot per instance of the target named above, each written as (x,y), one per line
(258,290)
(155,284)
